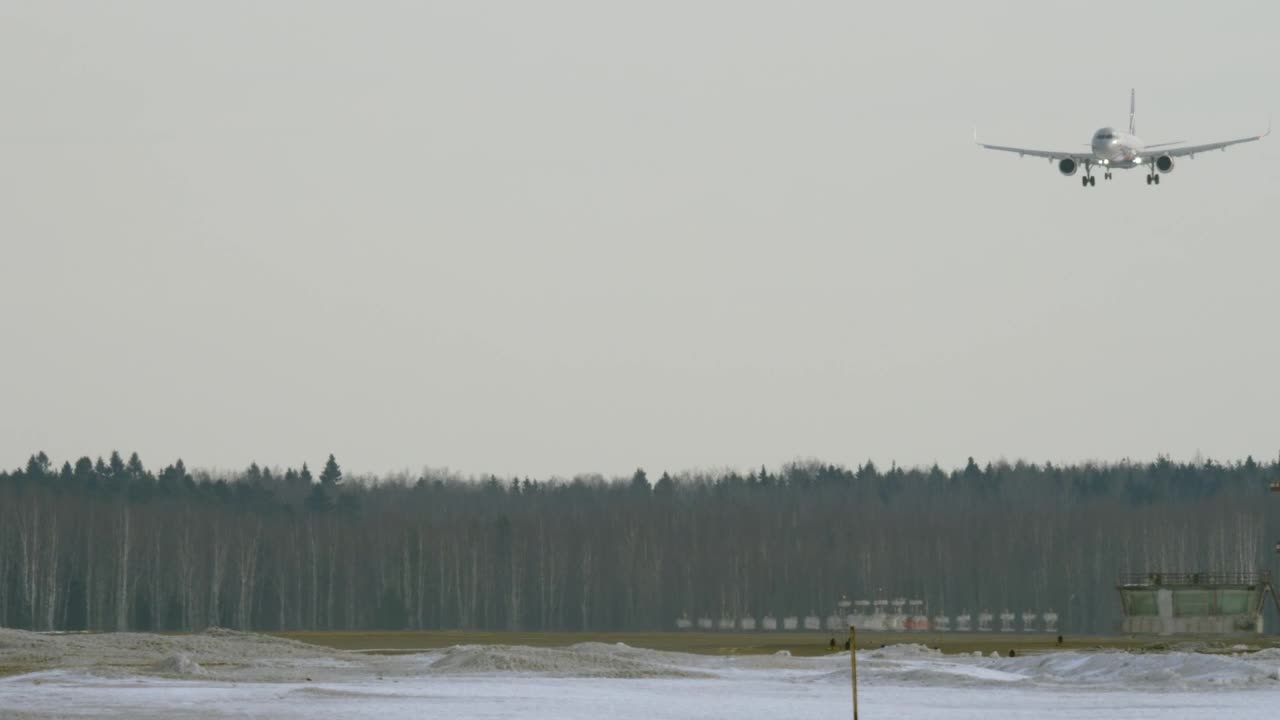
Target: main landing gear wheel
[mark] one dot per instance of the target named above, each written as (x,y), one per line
(1156,178)
(1148,179)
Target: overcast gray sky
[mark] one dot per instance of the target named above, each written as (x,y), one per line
(560,237)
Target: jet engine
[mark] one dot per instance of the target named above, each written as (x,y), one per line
(1067,166)
(1164,163)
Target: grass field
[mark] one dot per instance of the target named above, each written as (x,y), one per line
(759,643)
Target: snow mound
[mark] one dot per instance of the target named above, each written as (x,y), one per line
(938,674)
(581,660)
(913,665)
(903,651)
(917,666)
(178,664)
(1170,671)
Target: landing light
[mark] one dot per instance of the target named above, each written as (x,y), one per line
(1138,160)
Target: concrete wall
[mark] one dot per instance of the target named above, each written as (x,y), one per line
(1219,625)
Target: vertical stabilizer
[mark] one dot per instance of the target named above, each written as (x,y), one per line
(1133,106)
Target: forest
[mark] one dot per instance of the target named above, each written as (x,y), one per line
(112,545)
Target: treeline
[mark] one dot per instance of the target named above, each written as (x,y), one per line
(111,545)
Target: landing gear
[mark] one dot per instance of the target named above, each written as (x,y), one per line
(1088,180)
(1153,178)
(1106,175)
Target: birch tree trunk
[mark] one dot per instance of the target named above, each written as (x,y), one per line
(29,557)
(90,565)
(51,574)
(185,561)
(217,571)
(248,571)
(122,568)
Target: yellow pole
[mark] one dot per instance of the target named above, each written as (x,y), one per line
(853,666)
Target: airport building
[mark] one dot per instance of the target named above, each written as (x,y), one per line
(1194,603)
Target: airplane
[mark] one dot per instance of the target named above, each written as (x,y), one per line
(1111,149)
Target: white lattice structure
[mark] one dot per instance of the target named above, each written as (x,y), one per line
(861,617)
(918,620)
(984,621)
(1051,621)
(897,620)
(1006,621)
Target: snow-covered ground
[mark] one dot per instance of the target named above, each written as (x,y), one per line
(223,674)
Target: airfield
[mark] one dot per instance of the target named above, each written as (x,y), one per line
(222,674)
(798,644)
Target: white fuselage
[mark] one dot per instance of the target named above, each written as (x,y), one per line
(1114,149)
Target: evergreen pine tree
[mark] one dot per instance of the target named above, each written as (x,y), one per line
(37,466)
(665,486)
(332,474)
(640,482)
(134,467)
(116,464)
(318,500)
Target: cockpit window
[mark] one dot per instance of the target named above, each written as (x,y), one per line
(1106,134)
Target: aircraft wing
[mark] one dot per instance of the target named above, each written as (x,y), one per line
(1195,149)
(1051,154)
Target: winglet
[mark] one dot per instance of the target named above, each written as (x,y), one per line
(975,135)
(1133,107)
